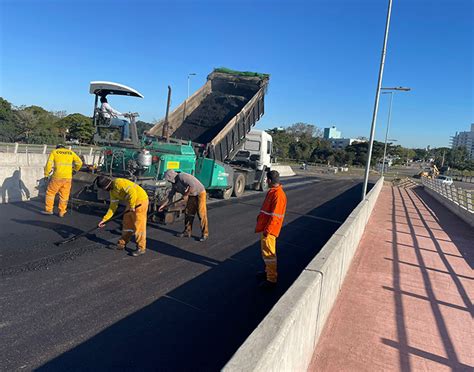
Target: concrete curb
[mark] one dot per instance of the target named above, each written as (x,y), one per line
(285,340)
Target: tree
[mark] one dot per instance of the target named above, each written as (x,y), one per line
(26,125)
(420,154)
(300,150)
(8,122)
(143,126)
(360,150)
(78,127)
(303,129)
(281,143)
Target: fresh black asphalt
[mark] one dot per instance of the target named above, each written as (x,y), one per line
(185,305)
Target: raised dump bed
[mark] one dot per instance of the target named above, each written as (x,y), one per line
(220,113)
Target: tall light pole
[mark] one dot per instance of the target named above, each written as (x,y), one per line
(390,91)
(189,80)
(377,97)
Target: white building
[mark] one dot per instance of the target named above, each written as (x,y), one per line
(464,139)
(342,143)
(331,133)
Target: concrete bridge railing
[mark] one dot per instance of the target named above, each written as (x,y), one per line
(286,338)
(456,199)
(21,175)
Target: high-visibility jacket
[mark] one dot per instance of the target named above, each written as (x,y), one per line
(124,190)
(62,161)
(272,213)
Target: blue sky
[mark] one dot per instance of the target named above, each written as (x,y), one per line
(323,57)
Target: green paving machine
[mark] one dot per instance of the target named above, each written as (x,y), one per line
(204,136)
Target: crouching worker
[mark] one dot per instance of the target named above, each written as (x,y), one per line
(269,222)
(134,222)
(194,193)
(61,162)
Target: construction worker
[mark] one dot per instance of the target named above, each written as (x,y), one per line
(134,221)
(111,114)
(269,222)
(194,193)
(61,161)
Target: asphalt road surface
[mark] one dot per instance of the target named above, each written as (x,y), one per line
(185,305)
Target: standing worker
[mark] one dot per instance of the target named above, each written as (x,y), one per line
(194,193)
(61,160)
(269,222)
(134,221)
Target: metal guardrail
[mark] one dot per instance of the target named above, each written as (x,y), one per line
(461,197)
(22,148)
(460,176)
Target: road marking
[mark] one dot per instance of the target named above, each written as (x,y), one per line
(183,303)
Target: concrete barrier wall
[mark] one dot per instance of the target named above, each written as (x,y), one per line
(285,340)
(21,176)
(452,206)
(284,170)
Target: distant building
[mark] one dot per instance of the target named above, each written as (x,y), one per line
(342,143)
(331,133)
(464,139)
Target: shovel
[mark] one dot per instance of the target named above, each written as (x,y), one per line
(75,237)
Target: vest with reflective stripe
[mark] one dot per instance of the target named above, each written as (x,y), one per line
(272,213)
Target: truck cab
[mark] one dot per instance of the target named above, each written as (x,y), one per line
(257,150)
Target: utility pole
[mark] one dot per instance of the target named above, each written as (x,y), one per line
(386,132)
(377,98)
(391,91)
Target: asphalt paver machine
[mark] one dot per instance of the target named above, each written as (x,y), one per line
(201,137)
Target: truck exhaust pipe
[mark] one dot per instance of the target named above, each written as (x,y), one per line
(166,125)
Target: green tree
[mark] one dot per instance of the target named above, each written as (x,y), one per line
(281,143)
(78,126)
(360,150)
(143,126)
(303,129)
(8,122)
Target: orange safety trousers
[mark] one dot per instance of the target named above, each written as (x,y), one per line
(61,186)
(196,204)
(134,223)
(268,248)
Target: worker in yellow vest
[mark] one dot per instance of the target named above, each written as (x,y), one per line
(61,162)
(134,222)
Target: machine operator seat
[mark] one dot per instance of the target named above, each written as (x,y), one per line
(102,121)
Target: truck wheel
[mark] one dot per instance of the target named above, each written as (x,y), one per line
(263,185)
(239,185)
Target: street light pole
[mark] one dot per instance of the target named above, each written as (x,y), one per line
(386,132)
(391,91)
(376,104)
(189,79)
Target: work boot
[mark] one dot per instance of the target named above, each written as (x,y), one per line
(203,238)
(261,275)
(138,252)
(47,213)
(183,235)
(266,284)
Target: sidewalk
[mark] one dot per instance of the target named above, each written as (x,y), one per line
(406,302)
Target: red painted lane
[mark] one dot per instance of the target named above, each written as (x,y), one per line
(406,303)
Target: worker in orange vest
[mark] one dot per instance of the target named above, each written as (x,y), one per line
(269,222)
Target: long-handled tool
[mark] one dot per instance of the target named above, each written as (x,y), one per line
(75,237)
